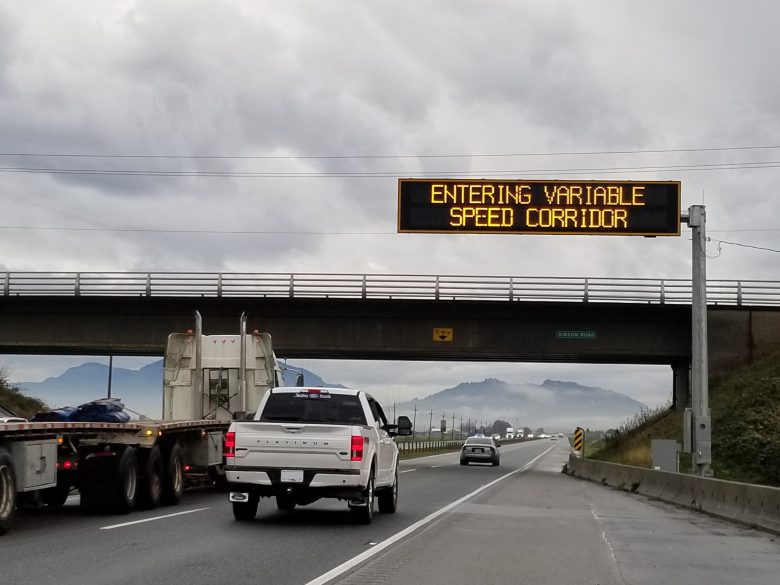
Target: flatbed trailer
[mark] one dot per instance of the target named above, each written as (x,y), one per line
(208,381)
(114,466)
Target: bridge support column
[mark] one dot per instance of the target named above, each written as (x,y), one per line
(681,373)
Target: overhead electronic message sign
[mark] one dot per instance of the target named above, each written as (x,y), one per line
(619,208)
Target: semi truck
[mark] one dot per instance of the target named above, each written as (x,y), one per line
(208,381)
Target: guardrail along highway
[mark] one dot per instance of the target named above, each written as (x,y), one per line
(386,286)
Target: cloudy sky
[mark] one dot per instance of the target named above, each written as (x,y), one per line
(241,136)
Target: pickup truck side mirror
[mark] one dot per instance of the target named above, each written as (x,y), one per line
(404,426)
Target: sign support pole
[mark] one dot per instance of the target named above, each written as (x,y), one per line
(701,423)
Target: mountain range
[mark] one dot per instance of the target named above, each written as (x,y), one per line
(140,390)
(554,405)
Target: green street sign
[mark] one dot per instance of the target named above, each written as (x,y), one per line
(575,335)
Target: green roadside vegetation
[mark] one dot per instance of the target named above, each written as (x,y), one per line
(745,405)
(13,400)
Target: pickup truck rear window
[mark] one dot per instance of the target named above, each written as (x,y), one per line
(313,408)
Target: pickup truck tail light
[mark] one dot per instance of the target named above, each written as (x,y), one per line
(356,453)
(230,444)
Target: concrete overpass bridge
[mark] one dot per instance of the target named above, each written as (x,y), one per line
(411,317)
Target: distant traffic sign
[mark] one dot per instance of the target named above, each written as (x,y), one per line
(442,334)
(621,208)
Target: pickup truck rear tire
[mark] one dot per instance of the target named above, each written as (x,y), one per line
(7,491)
(246,511)
(388,498)
(365,513)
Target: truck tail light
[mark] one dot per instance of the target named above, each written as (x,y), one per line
(356,453)
(230,444)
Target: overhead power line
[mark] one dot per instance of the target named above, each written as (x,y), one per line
(386,174)
(719,242)
(190,231)
(744,230)
(388,156)
(276,232)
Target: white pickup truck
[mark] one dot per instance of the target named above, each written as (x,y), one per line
(310,443)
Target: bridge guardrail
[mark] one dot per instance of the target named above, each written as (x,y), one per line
(386,286)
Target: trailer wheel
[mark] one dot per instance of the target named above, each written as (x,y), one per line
(218,477)
(7,491)
(95,481)
(55,497)
(151,488)
(173,476)
(126,482)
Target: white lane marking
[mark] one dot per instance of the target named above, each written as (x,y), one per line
(151,519)
(603,534)
(435,466)
(408,470)
(365,555)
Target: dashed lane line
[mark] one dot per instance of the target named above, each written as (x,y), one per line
(365,555)
(151,519)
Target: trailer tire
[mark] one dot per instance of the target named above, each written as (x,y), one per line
(173,476)
(55,497)
(151,487)
(7,491)
(94,482)
(218,477)
(126,482)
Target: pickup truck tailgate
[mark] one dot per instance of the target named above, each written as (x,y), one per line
(295,445)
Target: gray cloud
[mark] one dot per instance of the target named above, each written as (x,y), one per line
(311,78)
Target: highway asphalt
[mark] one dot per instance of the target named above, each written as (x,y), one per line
(521,522)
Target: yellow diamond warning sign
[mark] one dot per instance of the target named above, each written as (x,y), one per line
(442,334)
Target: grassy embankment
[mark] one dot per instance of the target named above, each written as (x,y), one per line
(13,399)
(745,406)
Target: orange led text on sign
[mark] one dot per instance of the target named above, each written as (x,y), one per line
(571,206)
